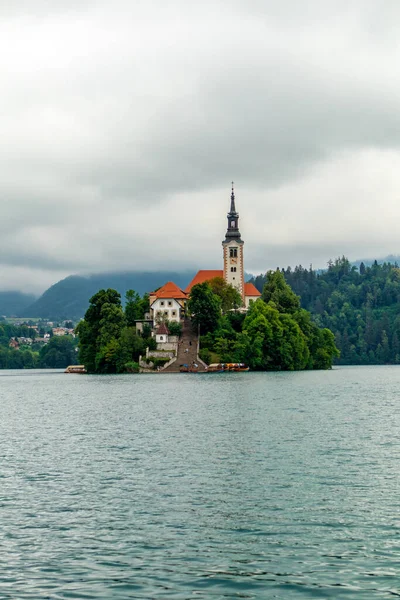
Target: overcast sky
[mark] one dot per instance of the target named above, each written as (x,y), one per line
(123,123)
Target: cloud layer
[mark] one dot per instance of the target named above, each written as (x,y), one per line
(123,124)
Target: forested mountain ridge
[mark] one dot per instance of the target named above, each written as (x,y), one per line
(69,298)
(360,305)
(13,303)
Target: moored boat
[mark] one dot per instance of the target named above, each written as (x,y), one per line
(75,369)
(216,368)
(237,367)
(185,368)
(227,368)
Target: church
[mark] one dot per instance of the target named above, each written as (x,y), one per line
(169,301)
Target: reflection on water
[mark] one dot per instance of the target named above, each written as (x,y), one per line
(247,485)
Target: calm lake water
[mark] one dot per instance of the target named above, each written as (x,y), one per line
(247,485)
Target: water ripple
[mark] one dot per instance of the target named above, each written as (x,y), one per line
(270,485)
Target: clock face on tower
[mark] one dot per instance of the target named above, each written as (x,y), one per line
(234,261)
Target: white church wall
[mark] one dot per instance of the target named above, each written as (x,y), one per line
(249,299)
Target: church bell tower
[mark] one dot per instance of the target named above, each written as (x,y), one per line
(233,250)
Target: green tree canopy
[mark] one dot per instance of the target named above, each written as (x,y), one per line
(276,290)
(205,307)
(135,307)
(274,334)
(230,297)
(108,341)
(361,306)
(58,353)
(96,336)
(283,344)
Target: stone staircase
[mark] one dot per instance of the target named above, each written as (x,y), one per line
(188,341)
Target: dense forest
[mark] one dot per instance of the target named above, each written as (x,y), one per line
(108,340)
(361,305)
(274,334)
(58,353)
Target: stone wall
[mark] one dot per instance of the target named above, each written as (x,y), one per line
(145,367)
(167,346)
(160,353)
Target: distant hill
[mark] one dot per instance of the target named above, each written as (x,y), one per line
(368,262)
(69,298)
(13,303)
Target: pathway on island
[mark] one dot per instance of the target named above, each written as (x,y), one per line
(187,342)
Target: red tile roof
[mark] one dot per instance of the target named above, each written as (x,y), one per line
(169,290)
(162,329)
(251,290)
(203,276)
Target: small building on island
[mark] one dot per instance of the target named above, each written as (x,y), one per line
(167,303)
(162,333)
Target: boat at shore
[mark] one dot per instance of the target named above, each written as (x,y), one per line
(215,368)
(76,369)
(237,367)
(185,368)
(227,368)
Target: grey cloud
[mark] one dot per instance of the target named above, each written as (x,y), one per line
(124,124)
(40,8)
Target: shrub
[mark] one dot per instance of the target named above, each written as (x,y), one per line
(152,343)
(175,328)
(160,362)
(205,355)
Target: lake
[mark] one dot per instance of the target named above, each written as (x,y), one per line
(208,486)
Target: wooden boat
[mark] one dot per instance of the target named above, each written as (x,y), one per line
(237,367)
(75,369)
(194,368)
(216,368)
(227,368)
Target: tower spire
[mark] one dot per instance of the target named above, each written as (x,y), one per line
(233,209)
(233,250)
(233,219)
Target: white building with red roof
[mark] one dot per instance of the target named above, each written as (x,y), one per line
(233,271)
(162,333)
(167,303)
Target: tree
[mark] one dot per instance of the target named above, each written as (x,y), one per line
(111,324)
(276,290)
(283,345)
(96,333)
(131,346)
(174,328)
(205,307)
(268,338)
(135,307)
(230,297)
(58,353)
